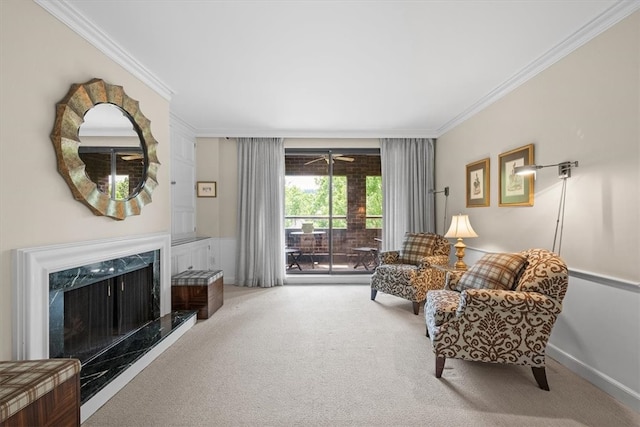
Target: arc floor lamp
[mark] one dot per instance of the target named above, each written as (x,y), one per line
(564,172)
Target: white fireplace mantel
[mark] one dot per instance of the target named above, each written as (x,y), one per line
(31,269)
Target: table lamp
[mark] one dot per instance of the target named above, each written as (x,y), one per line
(459,229)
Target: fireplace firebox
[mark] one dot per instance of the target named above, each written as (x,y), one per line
(93,307)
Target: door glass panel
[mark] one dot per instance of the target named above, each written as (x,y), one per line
(328,231)
(374,202)
(307,213)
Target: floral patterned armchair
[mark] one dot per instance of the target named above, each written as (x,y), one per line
(501,310)
(408,273)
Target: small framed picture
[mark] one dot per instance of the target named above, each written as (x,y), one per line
(478,184)
(515,190)
(206,189)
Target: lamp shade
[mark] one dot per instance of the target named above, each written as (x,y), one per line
(460,227)
(527,169)
(564,169)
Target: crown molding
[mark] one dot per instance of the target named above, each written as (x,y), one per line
(68,15)
(279,133)
(603,22)
(86,29)
(182,125)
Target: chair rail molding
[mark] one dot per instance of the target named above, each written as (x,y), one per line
(476,254)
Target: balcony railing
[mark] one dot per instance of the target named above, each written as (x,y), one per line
(335,245)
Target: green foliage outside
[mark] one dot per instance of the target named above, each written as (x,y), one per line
(122,187)
(374,201)
(315,202)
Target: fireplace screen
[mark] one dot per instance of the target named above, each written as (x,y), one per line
(94,307)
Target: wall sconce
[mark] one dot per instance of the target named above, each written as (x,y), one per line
(564,172)
(460,228)
(564,169)
(446,199)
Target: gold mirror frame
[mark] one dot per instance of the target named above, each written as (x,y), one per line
(70,116)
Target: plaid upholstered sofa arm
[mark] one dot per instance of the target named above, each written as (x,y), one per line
(389,257)
(494,299)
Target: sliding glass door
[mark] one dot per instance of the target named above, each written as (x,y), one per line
(333,211)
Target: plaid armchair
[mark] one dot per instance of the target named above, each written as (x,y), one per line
(501,310)
(408,273)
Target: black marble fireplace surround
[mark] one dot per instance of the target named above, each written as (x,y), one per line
(116,319)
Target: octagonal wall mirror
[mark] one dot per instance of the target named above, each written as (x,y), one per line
(105,150)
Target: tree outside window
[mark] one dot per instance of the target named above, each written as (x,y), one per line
(122,187)
(374,202)
(307,198)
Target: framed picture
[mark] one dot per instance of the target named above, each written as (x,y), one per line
(515,190)
(478,184)
(206,189)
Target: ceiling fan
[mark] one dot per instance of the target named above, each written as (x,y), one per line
(325,157)
(132,156)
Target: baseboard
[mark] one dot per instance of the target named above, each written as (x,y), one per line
(325,279)
(605,383)
(100,398)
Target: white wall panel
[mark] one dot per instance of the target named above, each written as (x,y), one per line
(183,172)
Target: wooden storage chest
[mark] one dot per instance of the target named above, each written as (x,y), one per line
(197,290)
(40,393)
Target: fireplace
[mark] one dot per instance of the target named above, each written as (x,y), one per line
(93,307)
(121,341)
(43,275)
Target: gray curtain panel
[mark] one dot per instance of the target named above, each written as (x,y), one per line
(408,174)
(260,248)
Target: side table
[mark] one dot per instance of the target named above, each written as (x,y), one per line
(366,255)
(294,255)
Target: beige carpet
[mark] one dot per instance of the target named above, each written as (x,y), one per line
(328,355)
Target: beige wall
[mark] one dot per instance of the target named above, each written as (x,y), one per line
(40,59)
(586,108)
(216,160)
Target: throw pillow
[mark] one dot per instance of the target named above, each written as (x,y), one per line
(416,246)
(493,271)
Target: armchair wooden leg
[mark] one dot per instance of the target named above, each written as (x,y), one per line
(374,292)
(439,366)
(541,377)
(416,308)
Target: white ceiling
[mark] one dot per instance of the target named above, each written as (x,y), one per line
(335,68)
